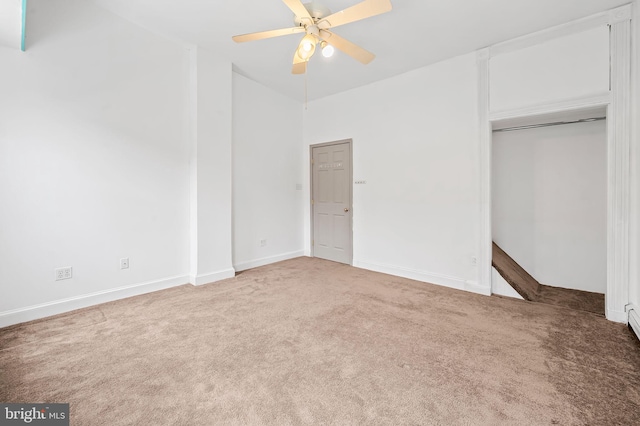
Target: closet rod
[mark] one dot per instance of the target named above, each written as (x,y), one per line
(557,123)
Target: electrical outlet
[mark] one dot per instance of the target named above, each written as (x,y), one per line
(263,243)
(63,273)
(124,263)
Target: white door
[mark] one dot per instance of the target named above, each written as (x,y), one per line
(331,202)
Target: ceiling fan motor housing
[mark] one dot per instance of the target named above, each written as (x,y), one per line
(316,10)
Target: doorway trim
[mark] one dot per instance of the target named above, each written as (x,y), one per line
(618,104)
(311,207)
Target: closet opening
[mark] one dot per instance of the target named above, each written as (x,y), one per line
(549,208)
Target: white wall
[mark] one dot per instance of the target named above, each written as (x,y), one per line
(564,68)
(93,165)
(415,140)
(634,290)
(501,287)
(11,23)
(210,162)
(267,172)
(549,204)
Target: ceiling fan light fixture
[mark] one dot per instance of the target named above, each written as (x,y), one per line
(327,49)
(307,47)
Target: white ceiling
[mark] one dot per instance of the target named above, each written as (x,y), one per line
(414,34)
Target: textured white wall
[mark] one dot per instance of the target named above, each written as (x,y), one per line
(561,69)
(93,165)
(415,139)
(267,167)
(549,204)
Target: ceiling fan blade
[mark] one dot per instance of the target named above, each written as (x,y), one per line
(267,34)
(299,68)
(298,9)
(362,10)
(347,47)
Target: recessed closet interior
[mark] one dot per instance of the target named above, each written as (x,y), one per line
(549,196)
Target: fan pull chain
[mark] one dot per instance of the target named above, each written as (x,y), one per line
(306,83)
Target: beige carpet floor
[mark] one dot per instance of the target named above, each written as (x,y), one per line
(308,341)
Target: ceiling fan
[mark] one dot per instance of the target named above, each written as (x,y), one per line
(316,20)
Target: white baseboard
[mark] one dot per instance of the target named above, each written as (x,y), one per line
(243,266)
(616,316)
(428,277)
(474,287)
(634,320)
(43,310)
(211,277)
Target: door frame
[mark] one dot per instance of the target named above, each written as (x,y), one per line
(618,104)
(350,186)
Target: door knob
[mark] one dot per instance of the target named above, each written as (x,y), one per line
(346,209)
